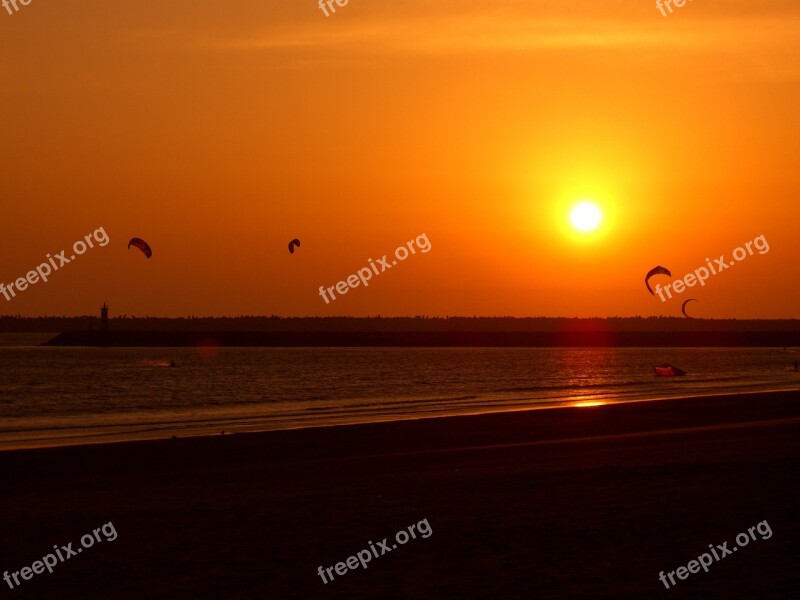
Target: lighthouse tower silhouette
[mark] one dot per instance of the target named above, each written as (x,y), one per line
(104,318)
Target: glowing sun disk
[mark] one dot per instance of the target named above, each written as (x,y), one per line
(585,216)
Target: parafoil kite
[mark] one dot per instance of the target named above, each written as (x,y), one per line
(292,244)
(655,271)
(668,371)
(683,307)
(141,245)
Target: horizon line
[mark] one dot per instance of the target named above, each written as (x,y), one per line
(414,317)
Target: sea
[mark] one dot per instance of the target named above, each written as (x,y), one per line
(52,396)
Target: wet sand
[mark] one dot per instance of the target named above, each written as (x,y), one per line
(567,503)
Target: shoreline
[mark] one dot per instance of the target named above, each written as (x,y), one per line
(718,400)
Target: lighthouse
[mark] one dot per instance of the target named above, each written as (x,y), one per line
(104,318)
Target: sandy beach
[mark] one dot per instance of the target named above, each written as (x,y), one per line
(586,502)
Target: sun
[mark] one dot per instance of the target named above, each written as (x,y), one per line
(585,216)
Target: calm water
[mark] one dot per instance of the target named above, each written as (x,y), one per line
(62,395)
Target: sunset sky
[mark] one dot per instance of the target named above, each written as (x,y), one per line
(219,131)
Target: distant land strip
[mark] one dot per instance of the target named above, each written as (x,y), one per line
(251,324)
(550,339)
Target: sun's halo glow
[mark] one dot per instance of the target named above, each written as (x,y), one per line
(585,216)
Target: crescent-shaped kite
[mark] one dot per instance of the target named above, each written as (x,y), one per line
(683,307)
(655,271)
(141,245)
(292,244)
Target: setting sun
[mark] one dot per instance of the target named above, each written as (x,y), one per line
(585,216)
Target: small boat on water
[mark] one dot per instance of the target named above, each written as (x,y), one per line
(668,371)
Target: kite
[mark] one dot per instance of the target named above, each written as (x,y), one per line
(141,245)
(655,271)
(668,371)
(292,244)
(683,307)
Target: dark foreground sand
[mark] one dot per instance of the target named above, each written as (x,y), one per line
(566,503)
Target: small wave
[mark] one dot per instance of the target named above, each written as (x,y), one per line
(553,388)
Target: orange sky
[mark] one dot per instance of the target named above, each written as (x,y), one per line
(218,131)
